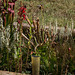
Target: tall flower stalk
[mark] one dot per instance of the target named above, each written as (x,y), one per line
(21,13)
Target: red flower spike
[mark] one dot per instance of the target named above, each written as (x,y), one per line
(24,8)
(24,16)
(22,12)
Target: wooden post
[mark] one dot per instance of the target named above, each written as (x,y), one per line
(35,65)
